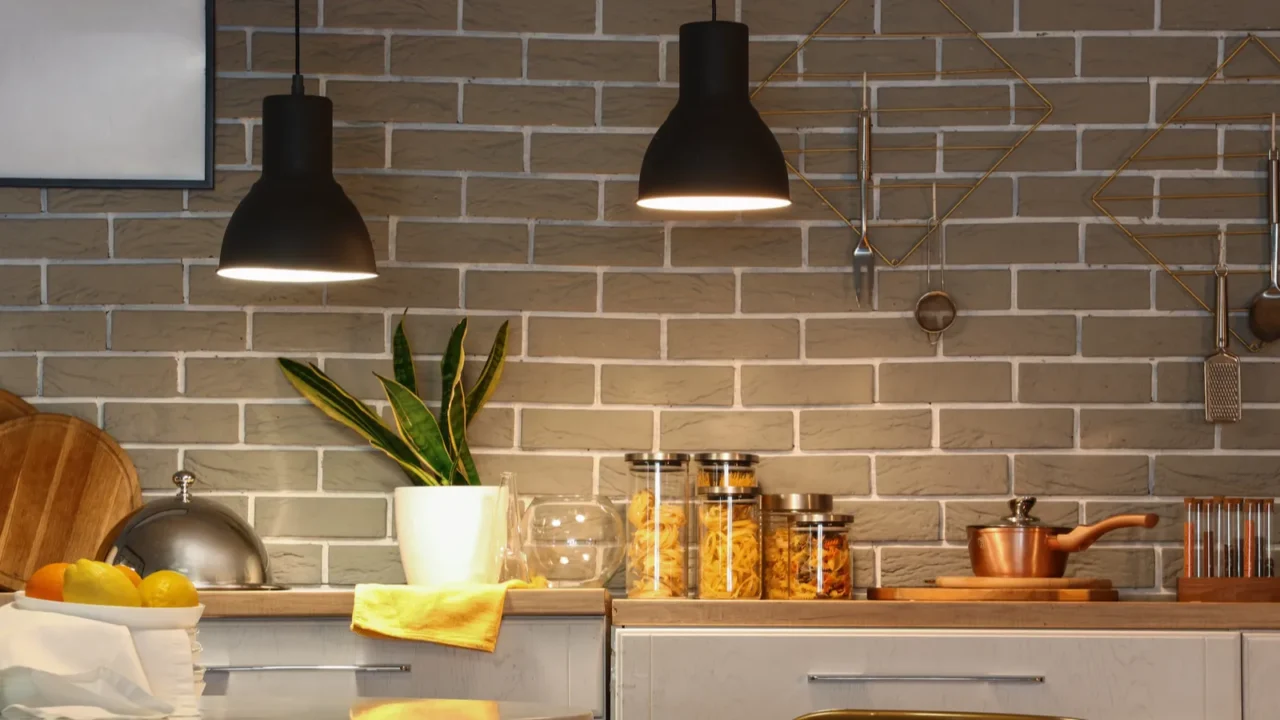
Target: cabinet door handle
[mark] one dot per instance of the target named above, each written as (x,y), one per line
(854,678)
(309,668)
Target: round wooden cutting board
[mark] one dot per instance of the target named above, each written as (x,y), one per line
(63,485)
(13,407)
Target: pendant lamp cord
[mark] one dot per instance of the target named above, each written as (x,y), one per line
(298,87)
(713,10)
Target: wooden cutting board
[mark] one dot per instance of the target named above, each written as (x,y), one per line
(927,594)
(1023,583)
(13,407)
(63,485)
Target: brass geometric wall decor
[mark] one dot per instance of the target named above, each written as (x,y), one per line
(954,136)
(1198,189)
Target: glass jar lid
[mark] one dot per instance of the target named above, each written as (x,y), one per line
(814,520)
(656,459)
(728,458)
(727,492)
(798,503)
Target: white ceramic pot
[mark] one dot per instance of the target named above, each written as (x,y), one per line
(451,534)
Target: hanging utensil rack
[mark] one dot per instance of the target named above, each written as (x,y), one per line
(791,73)
(1138,161)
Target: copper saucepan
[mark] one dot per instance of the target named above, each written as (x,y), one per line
(1019,546)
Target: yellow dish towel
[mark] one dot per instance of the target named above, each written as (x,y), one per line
(465,616)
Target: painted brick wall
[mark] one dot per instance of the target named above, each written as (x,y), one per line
(494,147)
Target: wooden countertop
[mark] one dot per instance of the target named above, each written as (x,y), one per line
(338,603)
(965,615)
(798,613)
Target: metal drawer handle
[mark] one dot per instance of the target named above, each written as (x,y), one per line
(307,668)
(838,678)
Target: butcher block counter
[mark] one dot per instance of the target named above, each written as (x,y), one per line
(1130,615)
(338,603)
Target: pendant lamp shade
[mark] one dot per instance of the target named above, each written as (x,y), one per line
(296,224)
(714,152)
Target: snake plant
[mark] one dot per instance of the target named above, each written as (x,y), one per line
(431,449)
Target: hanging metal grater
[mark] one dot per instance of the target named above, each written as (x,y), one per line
(1221,369)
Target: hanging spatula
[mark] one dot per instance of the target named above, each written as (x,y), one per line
(1221,369)
(1264,314)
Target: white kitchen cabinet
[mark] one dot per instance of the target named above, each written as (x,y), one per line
(775,674)
(548,660)
(1261,675)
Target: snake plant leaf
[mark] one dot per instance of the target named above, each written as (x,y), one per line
(418,426)
(451,377)
(465,468)
(338,404)
(490,374)
(402,359)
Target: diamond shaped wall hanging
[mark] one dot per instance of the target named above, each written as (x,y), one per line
(926,68)
(1201,173)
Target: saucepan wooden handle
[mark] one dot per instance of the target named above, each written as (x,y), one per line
(1085,535)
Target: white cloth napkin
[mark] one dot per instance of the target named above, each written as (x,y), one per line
(56,666)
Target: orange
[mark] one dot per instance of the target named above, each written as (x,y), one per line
(46,583)
(130,573)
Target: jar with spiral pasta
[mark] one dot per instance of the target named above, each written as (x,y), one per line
(780,542)
(821,564)
(658,525)
(729,543)
(727,469)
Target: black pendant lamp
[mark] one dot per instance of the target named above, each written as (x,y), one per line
(714,153)
(296,224)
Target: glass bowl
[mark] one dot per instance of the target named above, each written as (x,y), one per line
(573,540)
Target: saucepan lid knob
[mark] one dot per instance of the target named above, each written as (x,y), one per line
(1020,507)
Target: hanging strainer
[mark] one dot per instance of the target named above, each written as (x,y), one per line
(935,310)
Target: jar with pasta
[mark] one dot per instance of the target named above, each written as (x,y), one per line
(778,513)
(729,543)
(821,564)
(658,525)
(727,469)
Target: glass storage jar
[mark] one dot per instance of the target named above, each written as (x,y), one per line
(658,525)
(729,543)
(778,513)
(573,540)
(727,469)
(821,564)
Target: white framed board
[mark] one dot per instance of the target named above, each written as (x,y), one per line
(106,93)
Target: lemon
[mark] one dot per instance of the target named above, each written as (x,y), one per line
(96,583)
(166,588)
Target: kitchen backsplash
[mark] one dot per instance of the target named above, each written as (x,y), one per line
(494,147)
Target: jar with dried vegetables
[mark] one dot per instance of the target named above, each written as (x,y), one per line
(779,545)
(819,566)
(657,525)
(729,543)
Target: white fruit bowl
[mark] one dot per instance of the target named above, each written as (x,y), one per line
(139,618)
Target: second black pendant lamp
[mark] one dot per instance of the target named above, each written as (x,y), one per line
(296,224)
(714,152)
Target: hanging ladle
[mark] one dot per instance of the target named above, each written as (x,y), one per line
(1264,314)
(935,310)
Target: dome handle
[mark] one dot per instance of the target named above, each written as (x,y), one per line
(184,480)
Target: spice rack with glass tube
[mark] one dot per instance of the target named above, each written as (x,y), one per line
(1227,551)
